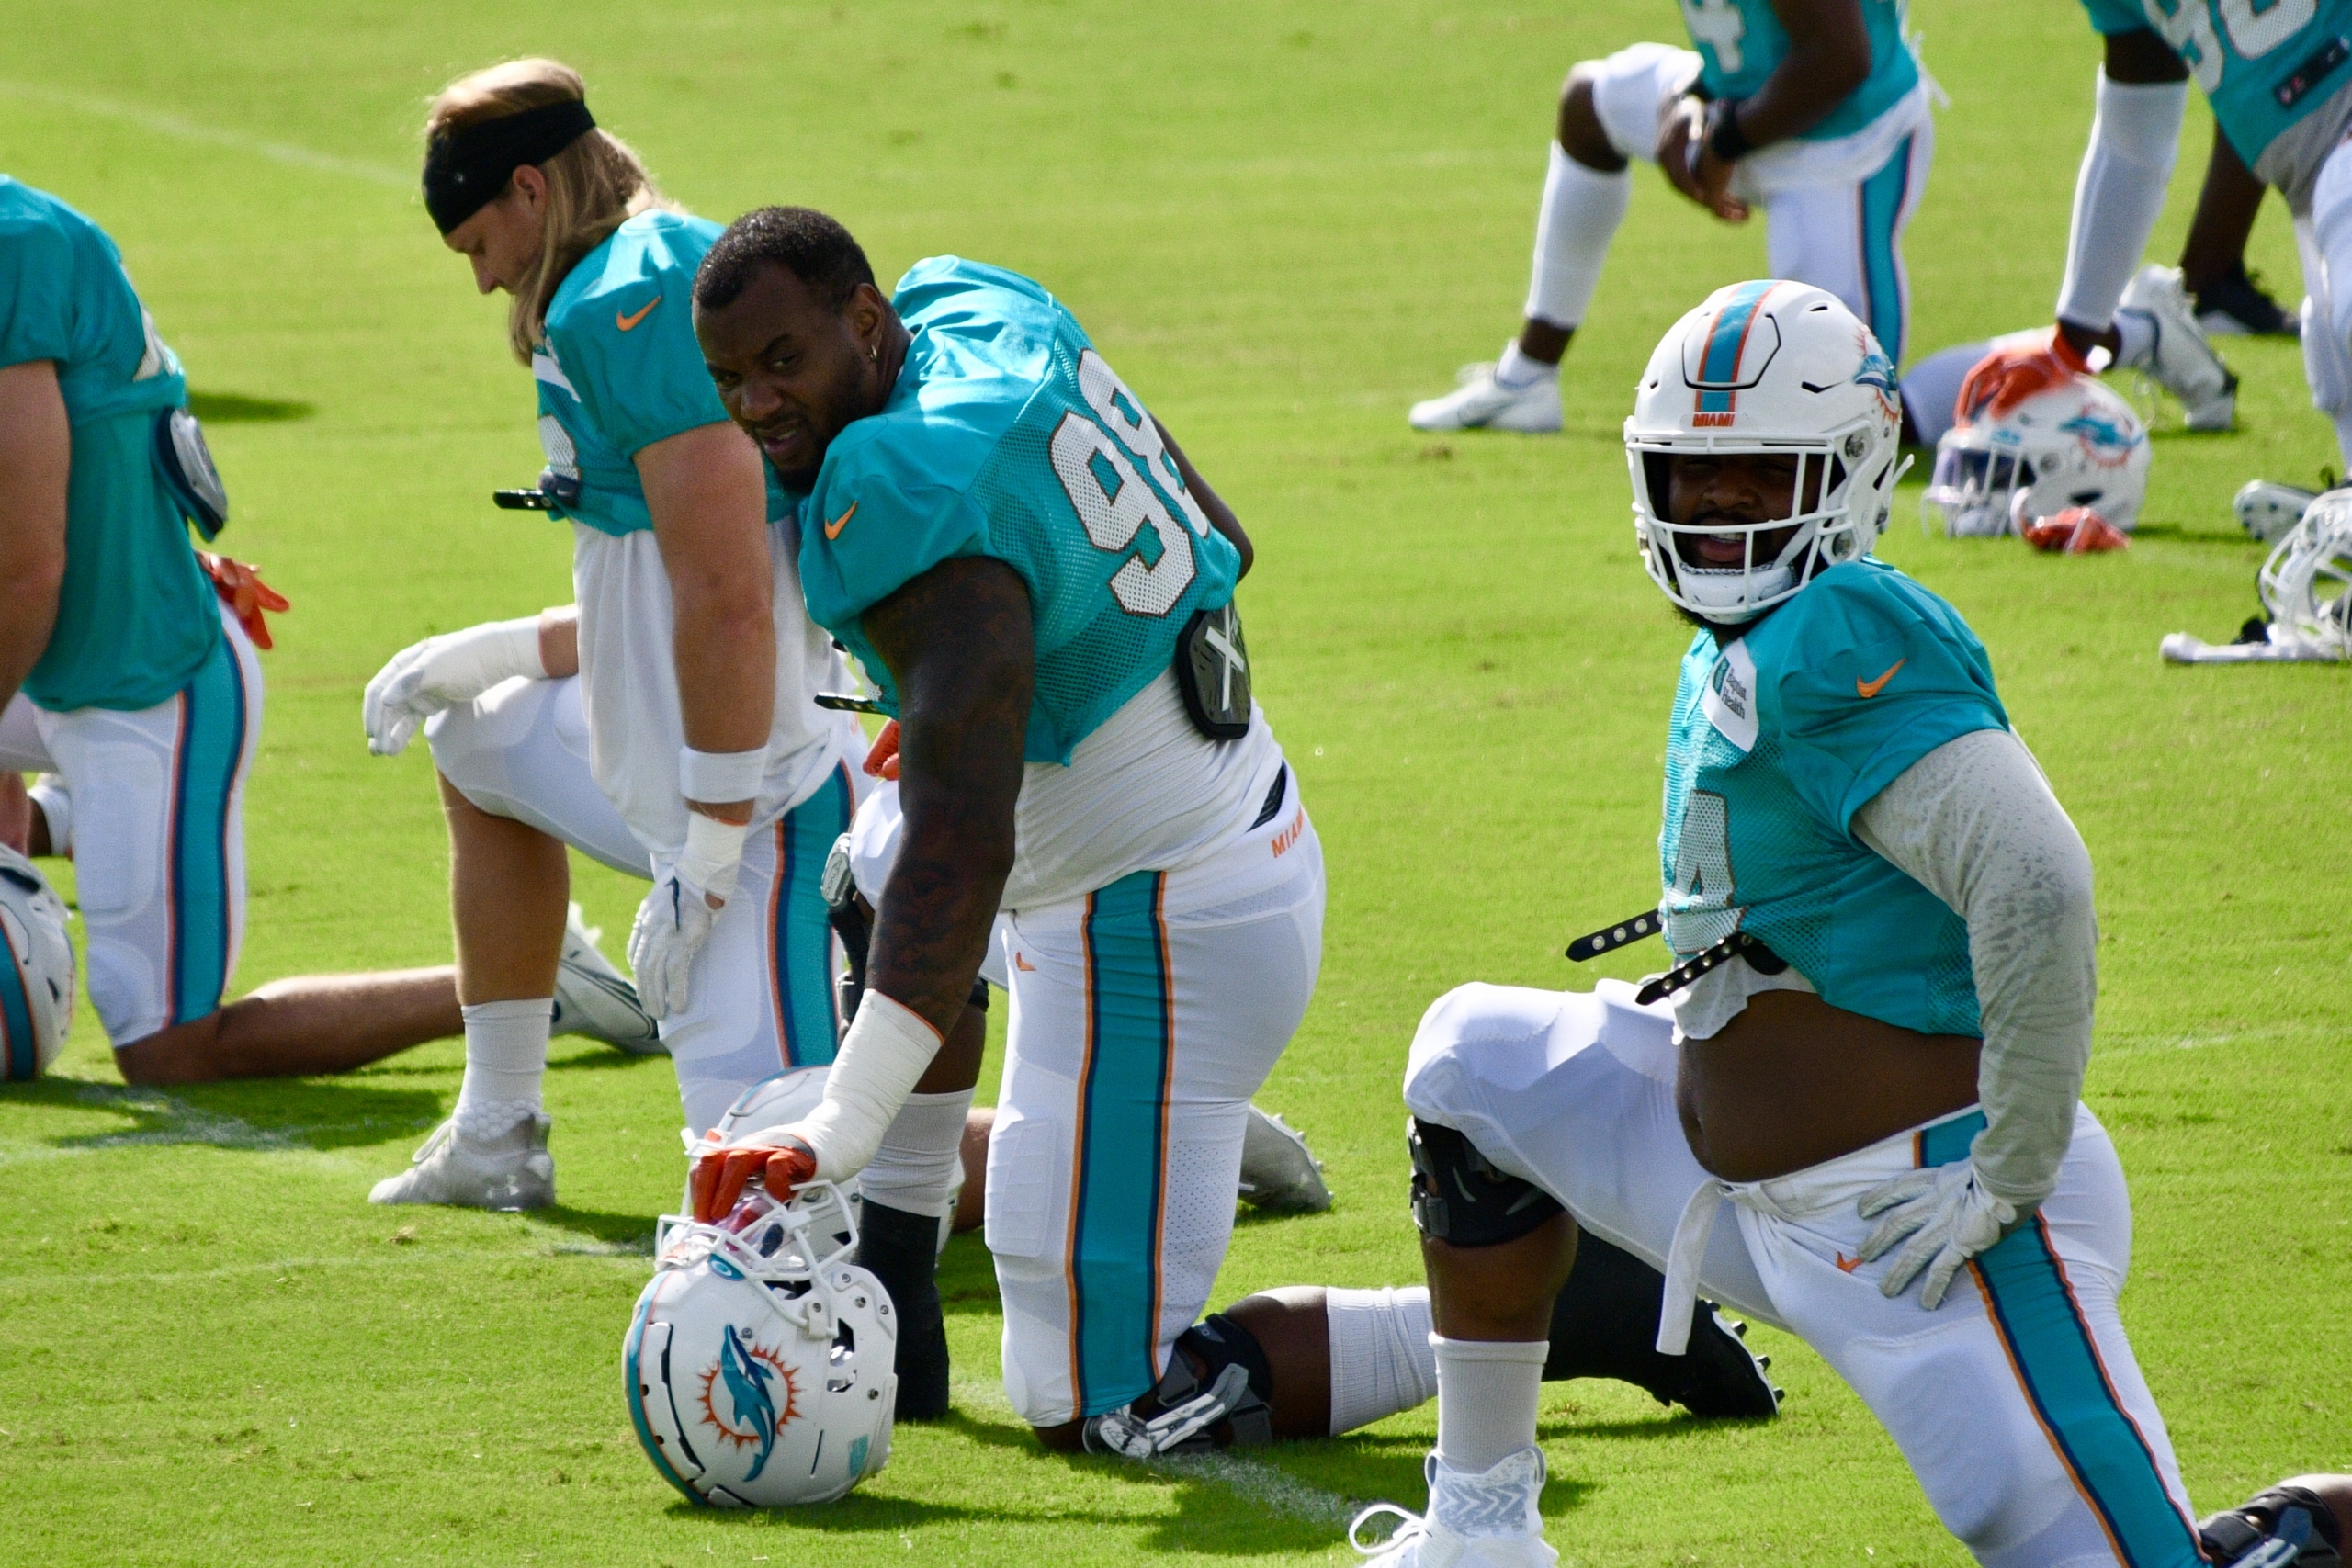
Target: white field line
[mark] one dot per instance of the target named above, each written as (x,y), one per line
(211,136)
(1251,1480)
(180,1123)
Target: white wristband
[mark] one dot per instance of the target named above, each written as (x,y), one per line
(720,777)
(880,1061)
(714,853)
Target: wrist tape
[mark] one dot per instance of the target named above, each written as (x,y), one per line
(881,1058)
(721,777)
(512,648)
(714,853)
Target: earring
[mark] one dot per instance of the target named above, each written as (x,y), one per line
(874,352)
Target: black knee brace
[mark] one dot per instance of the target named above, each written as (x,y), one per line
(1459,1198)
(2230,1537)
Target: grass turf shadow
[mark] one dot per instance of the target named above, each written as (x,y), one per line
(235,407)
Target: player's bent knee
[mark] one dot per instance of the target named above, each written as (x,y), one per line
(1461,1197)
(1582,134)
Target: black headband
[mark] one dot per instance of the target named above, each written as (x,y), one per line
(468,168)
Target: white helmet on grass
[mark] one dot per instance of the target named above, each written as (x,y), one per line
(36,971)
(759,1364)
(2077,444)
(1770,368)
(2306,583)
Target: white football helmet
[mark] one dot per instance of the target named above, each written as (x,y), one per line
(36,971)
(1781,369)
(2306,585)
(787,1097)
(759,1365)
(2078,444)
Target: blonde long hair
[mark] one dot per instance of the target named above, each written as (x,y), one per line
(594,185)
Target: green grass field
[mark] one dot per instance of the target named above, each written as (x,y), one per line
(1281,222)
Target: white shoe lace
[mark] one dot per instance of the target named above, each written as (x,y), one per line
(1410,1528)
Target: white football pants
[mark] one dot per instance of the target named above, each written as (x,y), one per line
(2017,1402)
(761,989)
(157,833)
(2324,240)
(1834,210)
(1144,1017)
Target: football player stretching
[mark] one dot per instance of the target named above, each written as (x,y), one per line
(1872,1047)
(665,725)
(1815,110)
(1041,586)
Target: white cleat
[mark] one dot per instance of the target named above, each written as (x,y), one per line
(2267,510)
(592,998)
(1480,402)
(1486,1521)
(1278,1171)
(2184,363)
(512,1170)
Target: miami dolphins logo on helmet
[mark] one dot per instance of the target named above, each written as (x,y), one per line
(751,1375)
(2106,441)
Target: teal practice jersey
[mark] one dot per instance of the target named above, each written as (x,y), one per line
(1742,42)
(620,368)
(2263,67)
(135,618)
(1778,739)
(1007,435)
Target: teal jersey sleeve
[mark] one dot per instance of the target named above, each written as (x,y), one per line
(1008,436)
(618,369)
(2109,17)
(1888,673)
(2262,67)
(1742,42)
(36,303)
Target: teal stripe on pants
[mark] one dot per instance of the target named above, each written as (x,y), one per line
(2058,1363)
(20,1060)
(1123,1133)
(803,936)
(212,748)
(1883,197)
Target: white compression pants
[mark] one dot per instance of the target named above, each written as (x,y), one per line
(1834,210)
(2324,239)
(2017,1402)
(762,985)
(158,835)
(1144,1017)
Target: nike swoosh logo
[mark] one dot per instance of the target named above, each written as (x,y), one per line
(626,323)
(1868,689)
(1848,1265)
(833,529)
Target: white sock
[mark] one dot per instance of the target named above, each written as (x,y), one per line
(1515,370)
(2138,331)
(1381,1360)
(506,1055)
(922,1154)
(1582,208)
(1486,1399)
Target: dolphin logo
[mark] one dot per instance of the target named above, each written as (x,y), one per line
(753,1417)
(1876,371)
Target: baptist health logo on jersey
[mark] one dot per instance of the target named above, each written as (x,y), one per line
(751,1375)
(1729,701)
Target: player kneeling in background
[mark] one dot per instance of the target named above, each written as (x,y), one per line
(132,682)
(1874,1051)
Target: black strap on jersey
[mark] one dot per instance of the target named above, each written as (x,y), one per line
(1212,672)
(1608,938)
(185,464)
(1740,944)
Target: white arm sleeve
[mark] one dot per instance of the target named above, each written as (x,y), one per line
(1975,823)
(880,1060)
(2135,136)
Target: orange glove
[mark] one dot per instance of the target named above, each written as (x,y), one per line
(2077,531)
(2014,372)
(720,1174)
(882,760)
(241,588)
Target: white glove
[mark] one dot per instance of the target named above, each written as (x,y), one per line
(456,667)
(1947,1215)
(677,917)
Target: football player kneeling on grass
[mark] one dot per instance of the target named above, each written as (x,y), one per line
(1871,1049)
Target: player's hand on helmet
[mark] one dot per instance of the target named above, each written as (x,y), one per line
(2018,367)
(441,671)
(781,1159)
(1949,1218)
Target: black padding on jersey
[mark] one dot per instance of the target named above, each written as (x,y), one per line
(1459,1197)
(1212,672)
(2293,1512)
